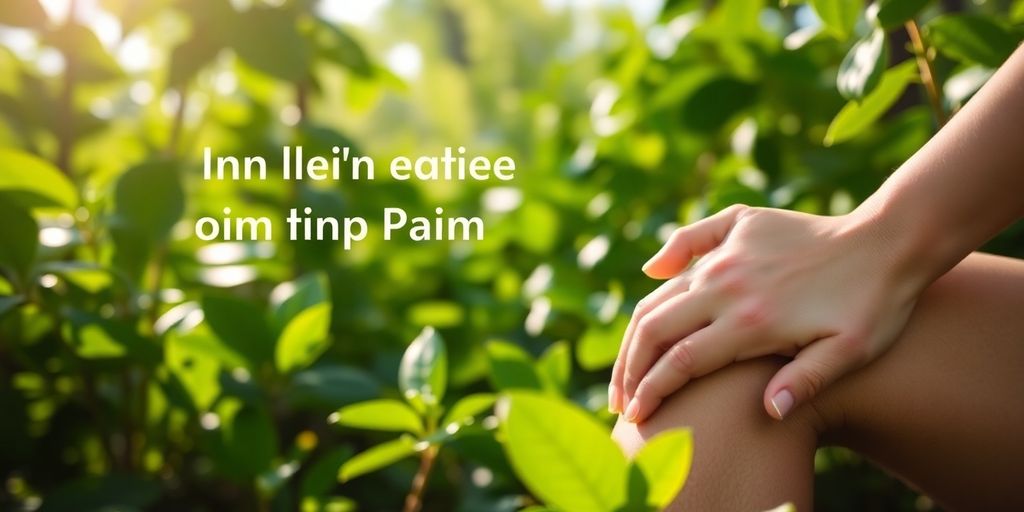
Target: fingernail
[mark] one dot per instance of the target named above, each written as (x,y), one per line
(632,411)
(647,265)
(614,406)
(782,402)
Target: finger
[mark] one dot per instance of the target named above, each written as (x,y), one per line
(699,354)
(690,242)
(667,290)
(815,367)
(673,320)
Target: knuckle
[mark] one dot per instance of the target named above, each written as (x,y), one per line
(754,313)
(680,356)
(630,380)
(646,329)
(642,307)
(814,380)
(855,347)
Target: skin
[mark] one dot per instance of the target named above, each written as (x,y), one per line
(767,280)
(941,409)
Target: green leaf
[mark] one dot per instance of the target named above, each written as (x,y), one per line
(188,58)
(194,373)
(94,337)
(855,117)
(511,366)
(599,345)
(9,302)
(247,439)
(20,239)
(92,62)
(268,40)
(32,181)
(149,199)
(665,463)
(467,408)
(329,386)
(436,313)
(972,38)
(240,325)
(304,339)
(107,492)
(838,15)
(863,66)
(554,367)
(716,102)
(423,373)
(562,454)
(292,297)
(384,414)
(377,457)
(23,13)
(336,45)
(894,13)
(321,476)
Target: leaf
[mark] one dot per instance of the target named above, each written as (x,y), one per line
(32,181)
(838,15)
(23,13)
(19,239)
(863,66)
(304,339)
(9,303)
(94,337)
(92,62)
(436,313)
(292,297)
(716,102)
(554,367)
(107,492)
(972,38)
(239,324)
(247,441)
(384,414)
(329,386)
(467,408)
(511,367)
(188,58)
(149,200)
(336,45)
(894,13)
(321,476)
(855,117)
(377,457)
(665,463)
(268,40)
(423,373)
(562,454)
(195,372)
(599,345)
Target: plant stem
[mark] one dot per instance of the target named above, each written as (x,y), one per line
(924,66)
(414,501)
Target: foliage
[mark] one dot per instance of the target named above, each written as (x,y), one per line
(143,369)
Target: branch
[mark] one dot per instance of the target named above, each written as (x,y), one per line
(924,66)
(414,501)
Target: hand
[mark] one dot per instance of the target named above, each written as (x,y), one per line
(825,289)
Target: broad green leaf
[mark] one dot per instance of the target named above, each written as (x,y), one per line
(247,441)
(423,373)
(467,408)
(268,40)
(94,337)
(195,372)
(838,15)
(863,66)
(20,239)
(511,366)
(436,313)
(894,13)
(377,457)
(333,43)
(329,386)
(599,345)
(554,367)
(665,462)
(562,454)
(716,102)
(107,492)
(322,475)
(149,199)
(384,414)
(292,297)
(188,58)
(32,181)
(972,38)
(240,325)
(304,339)
(855,117)
(23,13)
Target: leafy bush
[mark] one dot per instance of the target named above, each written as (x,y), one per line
(143,369)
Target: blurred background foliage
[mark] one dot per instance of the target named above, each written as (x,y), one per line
(143,369)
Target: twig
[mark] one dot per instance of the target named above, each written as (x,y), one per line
(414,501)
(924,66)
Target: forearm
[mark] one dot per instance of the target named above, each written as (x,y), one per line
(963,187)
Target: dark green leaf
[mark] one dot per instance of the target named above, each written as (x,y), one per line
(329,386)
(269,40)
(149,199)
(972,38)
(894,13)
(247,441)
(716,102)
(863,66)
(240,324)
(20,235)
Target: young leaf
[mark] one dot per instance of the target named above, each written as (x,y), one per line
(467,408)
(304,339)
(972,38)
(856,117)
(562,454)
(423,373)
(863,66)
(511,367)
(894,13)
(665,462)
(377,457)
(838,15)
(32,181)
(383,414)
(554,367)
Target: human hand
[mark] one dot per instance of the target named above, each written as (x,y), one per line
(829,290)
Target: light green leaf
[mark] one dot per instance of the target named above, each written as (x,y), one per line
(894,13)
(562,454)
(855,117)
(32,181)
(384,414)
(511,366)
(463,412)
(554,367)
(665,463)
(972,38)
(304,339)
(599,345)
(377,457)
(423,373)
(838,15)
(436,313)
(292,297)
(863,66)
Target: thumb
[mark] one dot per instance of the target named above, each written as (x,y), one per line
(815,367)
(690,242)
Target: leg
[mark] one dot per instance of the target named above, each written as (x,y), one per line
(944,408)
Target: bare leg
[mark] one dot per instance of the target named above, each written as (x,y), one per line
(943,409)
